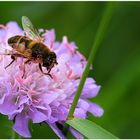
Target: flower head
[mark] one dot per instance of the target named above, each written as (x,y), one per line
(37,97)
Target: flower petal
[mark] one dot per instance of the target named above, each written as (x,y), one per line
(80,113)
(21,126)
(57,130)
(4,90)
(37,116)
(48,98)
(90,89)
(49,38)
(83,104)
(76,133)
(95,109)
(9,105)
(11,32)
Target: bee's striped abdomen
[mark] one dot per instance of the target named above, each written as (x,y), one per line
(24,41)
(23,44)
(14,39)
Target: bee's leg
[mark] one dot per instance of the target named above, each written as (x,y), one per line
(49,70)
(13,59)
(23,72)
(27,61)
(40,67)
(24,67)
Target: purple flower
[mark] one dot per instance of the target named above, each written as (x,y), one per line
(37,97)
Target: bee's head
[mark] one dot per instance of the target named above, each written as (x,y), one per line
(50,60)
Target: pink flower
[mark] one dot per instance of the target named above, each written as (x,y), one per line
(37,97)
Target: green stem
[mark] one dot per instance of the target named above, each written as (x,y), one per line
(98,38)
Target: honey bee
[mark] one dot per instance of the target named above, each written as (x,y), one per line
(32,48)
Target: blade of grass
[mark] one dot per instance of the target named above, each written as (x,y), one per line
(98,38)
(90,129)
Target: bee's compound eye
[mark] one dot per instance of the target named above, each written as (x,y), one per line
(49,60)
(53,55)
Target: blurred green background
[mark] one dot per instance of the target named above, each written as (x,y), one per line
(117,64)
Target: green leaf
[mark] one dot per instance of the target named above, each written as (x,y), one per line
(90,130)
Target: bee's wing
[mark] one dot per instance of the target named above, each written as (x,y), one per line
(29,29)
